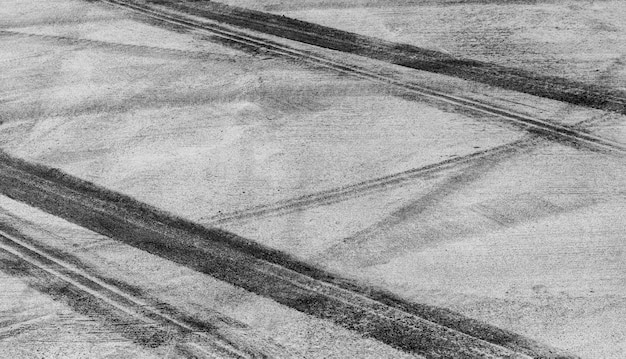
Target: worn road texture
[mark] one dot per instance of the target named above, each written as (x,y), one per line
(387,250)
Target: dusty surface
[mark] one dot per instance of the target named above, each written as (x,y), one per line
(528,240)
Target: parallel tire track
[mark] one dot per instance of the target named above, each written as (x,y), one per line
(219,334)
(415,328)
(406,55)
(180,15)
(144,320)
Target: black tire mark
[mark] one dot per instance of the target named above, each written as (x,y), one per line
(415,328)
(545,128)
(405,55)
(9,225)
(134,317)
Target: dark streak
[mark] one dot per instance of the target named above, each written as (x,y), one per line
(412,327)
(247,18)
(149,325)
(552,87)
(116,283)
(83,303)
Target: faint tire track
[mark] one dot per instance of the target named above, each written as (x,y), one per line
(14,328)
(199,54)
(364,188)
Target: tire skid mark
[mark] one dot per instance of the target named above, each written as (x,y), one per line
(397,53)
(415,328)
(546,128)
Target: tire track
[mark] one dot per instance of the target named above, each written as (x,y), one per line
(145,321)
(340,194)
(405,55)
(546,128)
(397,180)
(415,328)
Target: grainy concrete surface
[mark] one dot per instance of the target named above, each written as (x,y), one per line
(530,240)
